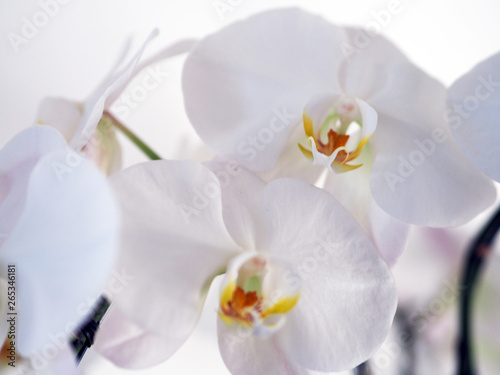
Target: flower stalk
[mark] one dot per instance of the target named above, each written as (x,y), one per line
(84,337)
(131,135)
(478,253)
(363,369)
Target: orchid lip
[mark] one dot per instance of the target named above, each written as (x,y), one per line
(332,144)
(251,297)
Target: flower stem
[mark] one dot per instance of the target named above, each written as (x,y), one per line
(477,254)
(132,136)
(84,337)
(363,369)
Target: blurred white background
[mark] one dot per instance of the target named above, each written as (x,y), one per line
(79,45)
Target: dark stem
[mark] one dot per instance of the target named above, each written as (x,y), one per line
(408,336)
(476,256)
(362,369)
(84,337)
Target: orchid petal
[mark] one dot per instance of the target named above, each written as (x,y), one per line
(68,230)
(62,114)
(94,107)
(247,354)
(348,297)
(54,361)
(294,163)
(473,113)
(174,243)
(363,71)
(317,110)
(381,75)
(389,234)
(17,159)
(127,345)
(353,191)
(369,120)
(241,191)
(421,177)
(175,49)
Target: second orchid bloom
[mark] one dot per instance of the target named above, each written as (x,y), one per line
(285,86)
(303,288)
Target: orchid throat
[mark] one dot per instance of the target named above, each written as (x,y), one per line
(343,134)
(251,297)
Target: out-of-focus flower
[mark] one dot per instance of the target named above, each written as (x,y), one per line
(98,141)
(473,113)
(424,336)
(304,289)
(59,226)
(285,86)
(58,219)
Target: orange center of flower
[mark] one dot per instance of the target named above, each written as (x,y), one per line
(245,301)
(335,141)
(327,144)
(243,306)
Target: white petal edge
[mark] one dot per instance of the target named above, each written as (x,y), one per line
(175,49)
(94,106)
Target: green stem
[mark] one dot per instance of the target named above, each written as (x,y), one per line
(132,136)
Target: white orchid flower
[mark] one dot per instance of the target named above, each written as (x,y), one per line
(59,222)
(473,113)
(303,290)
(59,226)
(285,86)
(79,122)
